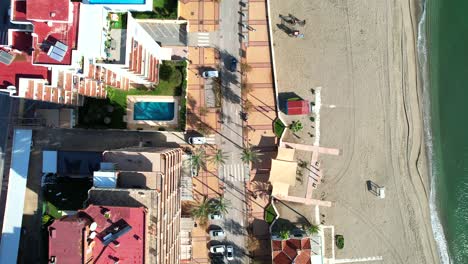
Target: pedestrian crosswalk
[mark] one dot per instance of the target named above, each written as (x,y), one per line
(234,172)
(203,39)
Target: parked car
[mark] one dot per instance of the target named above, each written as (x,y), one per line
(197,140)
(210,74)
(215,216)
(233,64)
(217,233)
(230,253)
(218,249)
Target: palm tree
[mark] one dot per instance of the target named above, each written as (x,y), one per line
(248,106)
(201,211)
(246,88)
(245,67)
(296,126)
(219,158)
(248,155)
(220,205)
(198,160)
(312,229)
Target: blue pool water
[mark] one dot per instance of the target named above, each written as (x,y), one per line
(118,2)
(157,111)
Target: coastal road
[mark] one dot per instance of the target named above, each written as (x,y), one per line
(233,172)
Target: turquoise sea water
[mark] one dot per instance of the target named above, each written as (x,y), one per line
(447,42)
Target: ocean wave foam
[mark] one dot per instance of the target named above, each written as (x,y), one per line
(437,227)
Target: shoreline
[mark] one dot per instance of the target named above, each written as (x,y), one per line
(425,91)
(365,58)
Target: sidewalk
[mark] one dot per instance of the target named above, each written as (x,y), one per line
(262,114)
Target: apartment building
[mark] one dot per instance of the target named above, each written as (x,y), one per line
(148,177)
(61,51)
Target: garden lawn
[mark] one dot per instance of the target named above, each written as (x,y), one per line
(168,87)
(159,3)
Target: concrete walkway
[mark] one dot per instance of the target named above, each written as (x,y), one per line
(307,201)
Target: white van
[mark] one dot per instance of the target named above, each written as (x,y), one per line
(197,140)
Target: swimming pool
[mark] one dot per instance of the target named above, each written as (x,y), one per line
(156,111)
(118,2)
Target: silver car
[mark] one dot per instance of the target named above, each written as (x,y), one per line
(217,233)
(210,74)
(230,252)
(215,216)
(218,249)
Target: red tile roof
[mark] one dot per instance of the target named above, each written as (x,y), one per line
(291,250)
(66,236)
(281,258)
(276,245)
(47,10)
(303,257)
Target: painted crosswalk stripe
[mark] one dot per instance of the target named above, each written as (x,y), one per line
(234,172)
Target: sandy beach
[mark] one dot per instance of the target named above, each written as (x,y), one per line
(363,56)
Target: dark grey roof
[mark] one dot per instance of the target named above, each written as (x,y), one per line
(168,34)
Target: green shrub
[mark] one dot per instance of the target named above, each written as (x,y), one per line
(165,72)
(284,234)
(182,112)
(176,77)
(312,229)
(339,240)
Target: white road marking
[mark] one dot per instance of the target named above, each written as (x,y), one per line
(234,172)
